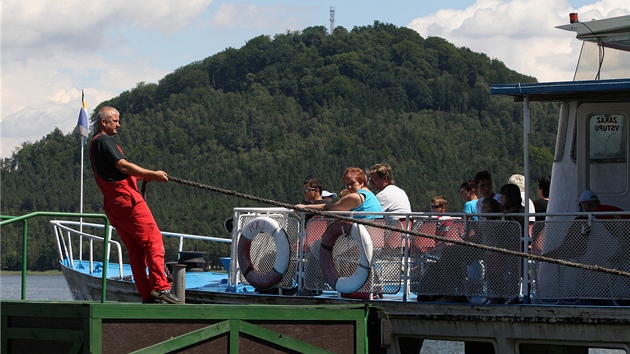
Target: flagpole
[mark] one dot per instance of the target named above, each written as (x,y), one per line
(81,206)
(83,106)
(82,130)
(81,182)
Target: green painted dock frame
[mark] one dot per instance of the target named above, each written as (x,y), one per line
(113,327)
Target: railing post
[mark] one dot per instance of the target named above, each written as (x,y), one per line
(301,255)
(24,253)
(179,281)
(105,259)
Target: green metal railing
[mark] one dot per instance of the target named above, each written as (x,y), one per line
(6,220)
(113,327)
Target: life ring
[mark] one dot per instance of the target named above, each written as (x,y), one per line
(263,281)
(327,264)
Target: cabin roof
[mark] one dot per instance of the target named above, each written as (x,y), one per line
(609,32)
(592,90)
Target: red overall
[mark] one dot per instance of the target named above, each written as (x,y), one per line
(130,215)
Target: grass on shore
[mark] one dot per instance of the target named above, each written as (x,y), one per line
(30,272)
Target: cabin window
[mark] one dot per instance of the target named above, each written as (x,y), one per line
(608,153)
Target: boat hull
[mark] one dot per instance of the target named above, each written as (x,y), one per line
(86,287)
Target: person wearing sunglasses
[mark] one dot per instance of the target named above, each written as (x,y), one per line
(312,195)
(313,191)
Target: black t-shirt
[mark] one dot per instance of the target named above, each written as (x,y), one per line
(308,216)
(540,206)
(104,153)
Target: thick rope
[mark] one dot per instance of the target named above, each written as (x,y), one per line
(403,231)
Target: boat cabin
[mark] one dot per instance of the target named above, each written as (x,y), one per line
(591,153)
(592,138)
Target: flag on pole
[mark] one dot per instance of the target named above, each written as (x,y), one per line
(82,125)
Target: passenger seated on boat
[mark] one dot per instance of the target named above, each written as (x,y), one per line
(313,191)
(328,197)
(575,242)
(359,198)
(468,192)
(541,203)
(492,206)
(502,271)
(312,195)
(512,202)
(541,207)
(483,181)
(444,223)
(519,180)
(434,225)
(449,274)
(390,196)
(435,273)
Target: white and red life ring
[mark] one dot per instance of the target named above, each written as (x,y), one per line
(327,264)
(263,281)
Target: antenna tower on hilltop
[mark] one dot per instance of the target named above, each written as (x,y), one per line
(332,19)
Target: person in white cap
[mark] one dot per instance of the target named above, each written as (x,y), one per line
(328,197)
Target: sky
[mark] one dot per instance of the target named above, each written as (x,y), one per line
(52,50)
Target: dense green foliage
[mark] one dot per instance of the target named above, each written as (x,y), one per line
(263,118)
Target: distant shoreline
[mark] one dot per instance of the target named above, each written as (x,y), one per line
(29,272)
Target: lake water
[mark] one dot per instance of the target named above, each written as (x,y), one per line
(54,287)
(38,287)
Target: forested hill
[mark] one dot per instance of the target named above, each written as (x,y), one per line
(263,118)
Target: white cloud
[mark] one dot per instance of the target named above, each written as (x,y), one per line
(520,33)
(35,122)
(51,50)
(38,27)
(60,79)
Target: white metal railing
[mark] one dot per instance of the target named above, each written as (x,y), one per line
(67,231)
(182,237)
(403,263)
(434,268)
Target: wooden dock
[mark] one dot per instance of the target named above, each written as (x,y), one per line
(91,327)
(384,327)
(524,329)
